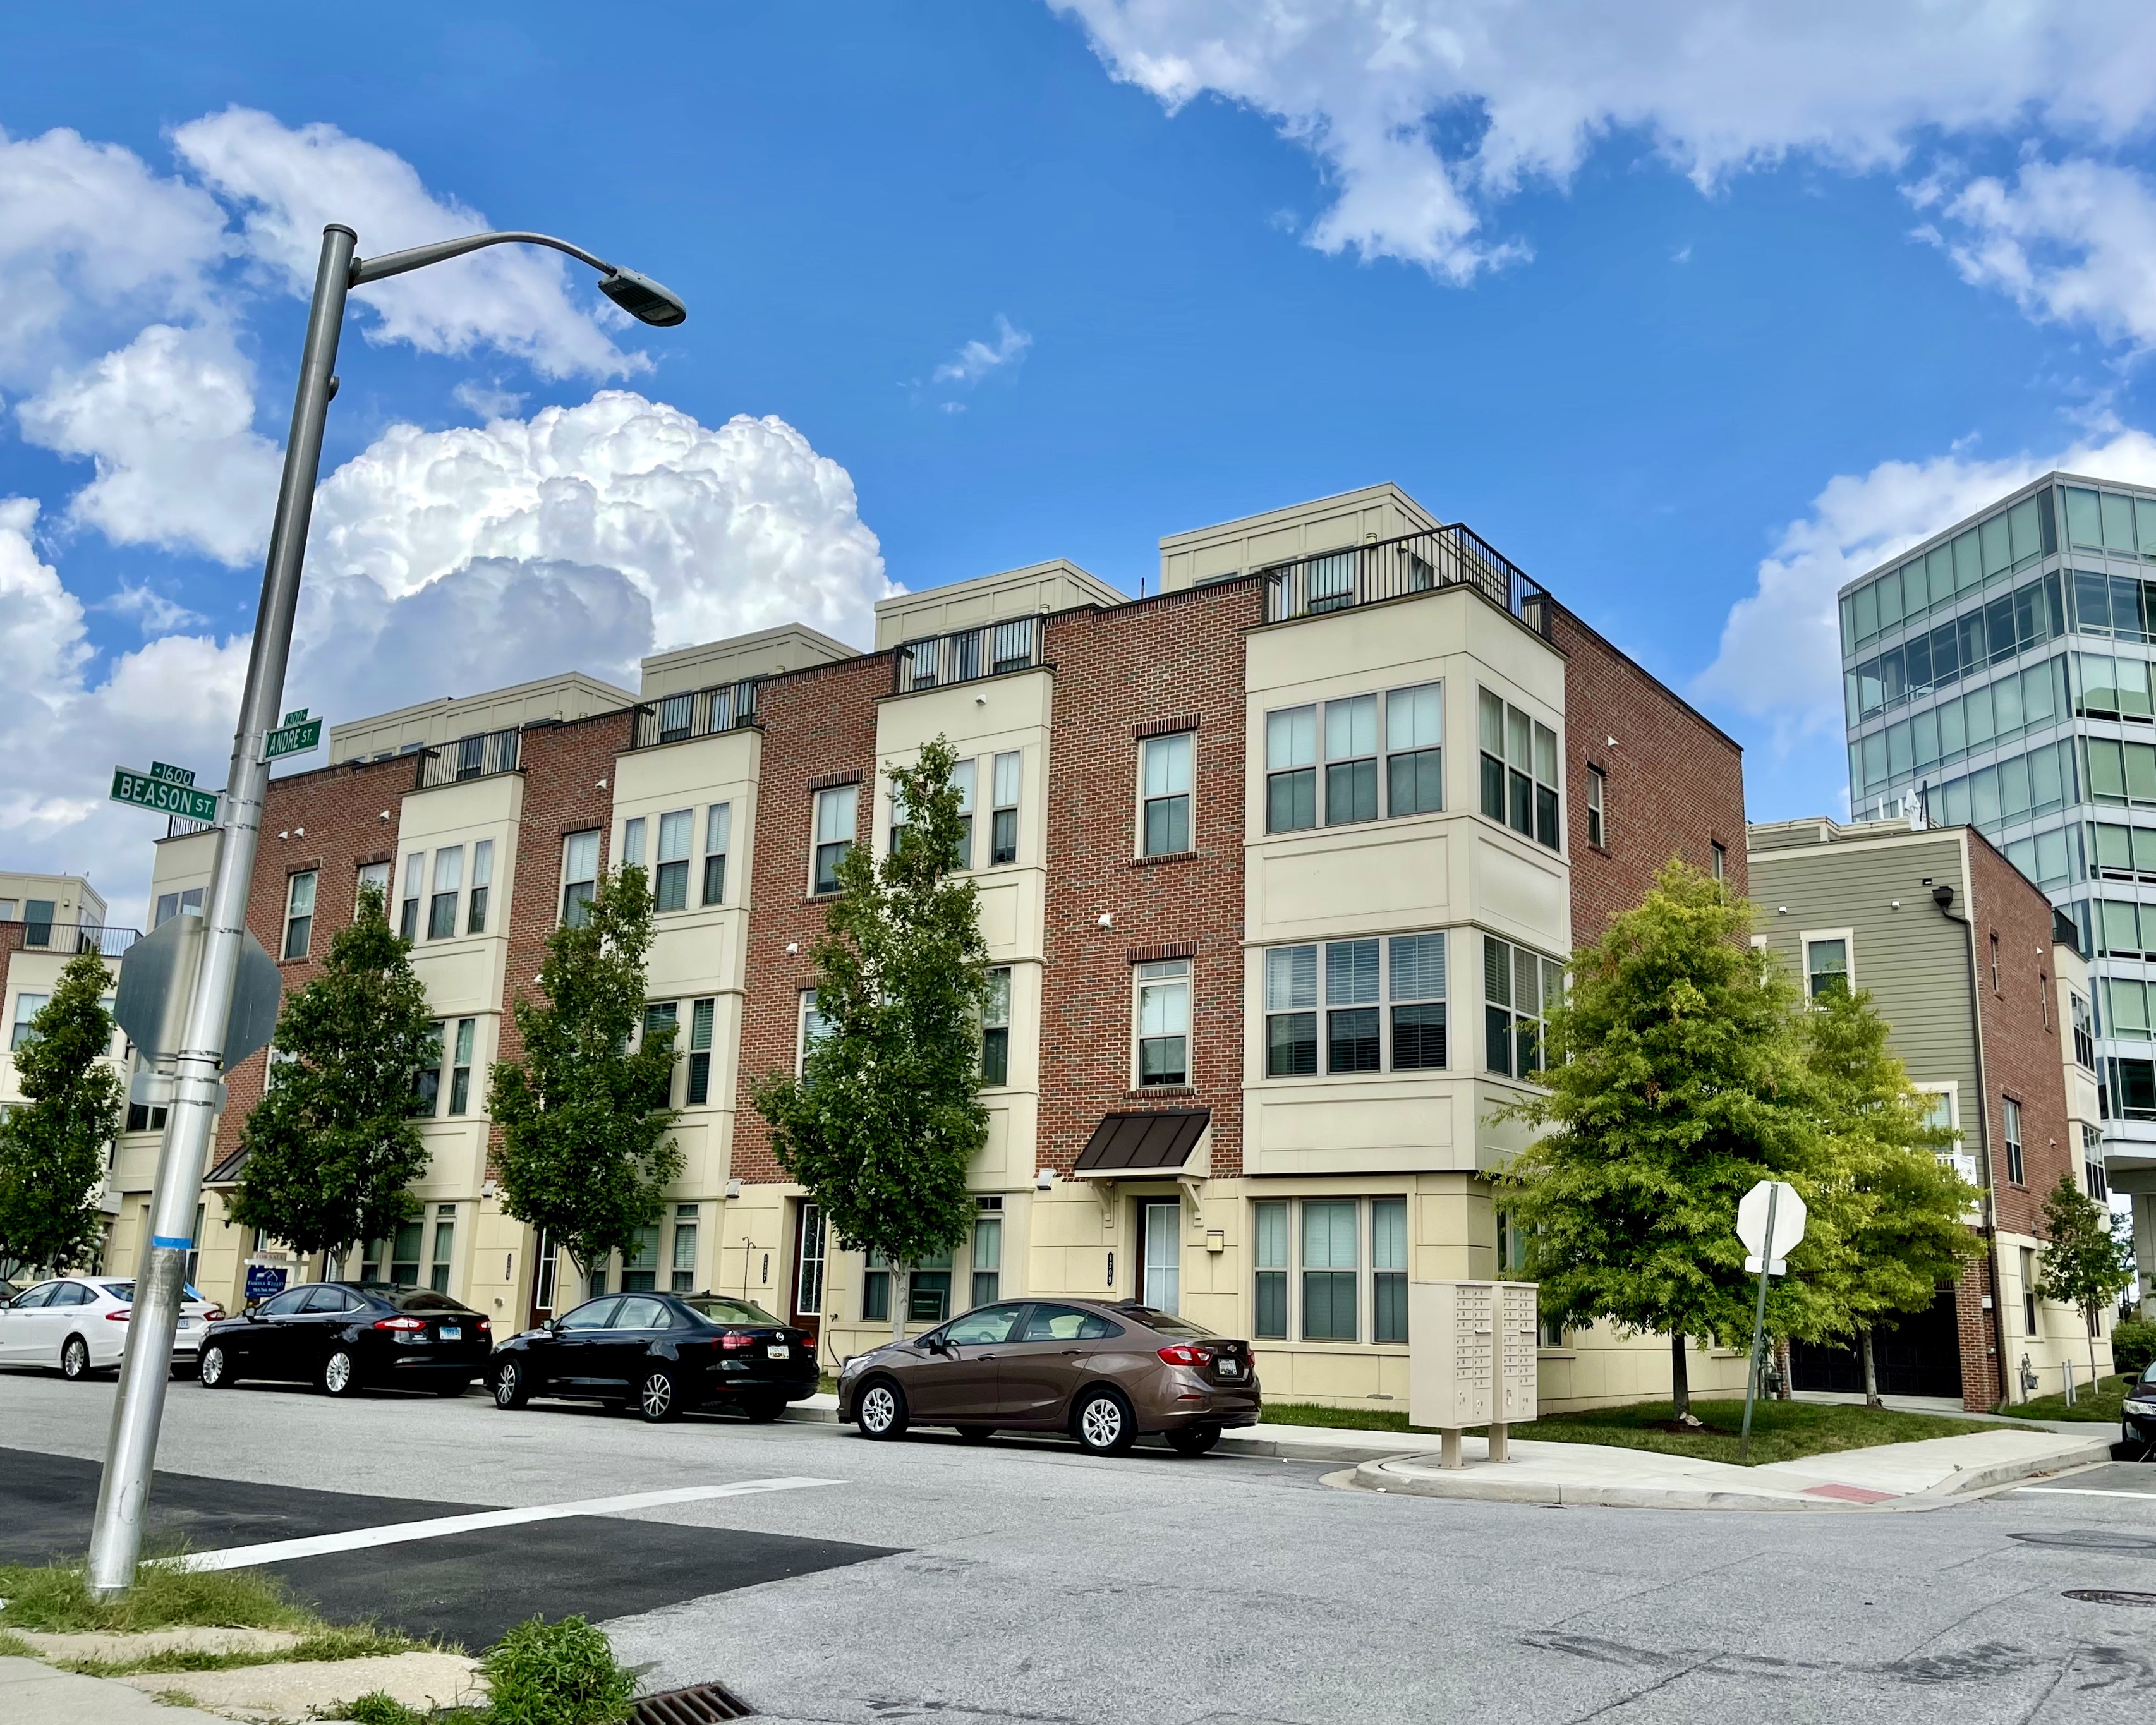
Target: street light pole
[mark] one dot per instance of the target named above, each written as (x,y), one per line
(131,1447)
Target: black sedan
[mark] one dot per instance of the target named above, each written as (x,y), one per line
(660,1354)
(2137,1419)
(344,1336)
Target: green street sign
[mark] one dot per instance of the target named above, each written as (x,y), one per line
(163,795)
(295,716)
(302,738)
(172,775)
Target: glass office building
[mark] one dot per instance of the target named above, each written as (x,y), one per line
(1999,674)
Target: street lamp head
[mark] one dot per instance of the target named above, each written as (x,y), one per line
(642,298)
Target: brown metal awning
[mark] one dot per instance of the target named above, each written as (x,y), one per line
(1151,1145)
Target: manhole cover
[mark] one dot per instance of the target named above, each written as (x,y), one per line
(700,1706)
(2090,1539)
(2109,1596)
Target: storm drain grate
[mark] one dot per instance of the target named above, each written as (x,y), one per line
(2109,1596)
(699,1706)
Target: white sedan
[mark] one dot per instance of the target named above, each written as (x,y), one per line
(78,1323)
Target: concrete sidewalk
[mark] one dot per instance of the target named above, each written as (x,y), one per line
(1924,1474)
(33,1692)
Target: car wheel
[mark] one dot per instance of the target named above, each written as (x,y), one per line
(1193,1440)
(339,1374)
(74,1359)
(975,1434)
(763,1409)
(1102,1422)
(215,1372)
(509,1388)
(880,1413)
(656,1397)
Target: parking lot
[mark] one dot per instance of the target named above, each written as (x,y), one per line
(842,1580)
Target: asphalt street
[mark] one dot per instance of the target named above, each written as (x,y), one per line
(933,1581)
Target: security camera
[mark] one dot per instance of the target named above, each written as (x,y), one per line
(1106,919)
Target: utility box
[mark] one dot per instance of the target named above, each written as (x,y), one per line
(1472,1359)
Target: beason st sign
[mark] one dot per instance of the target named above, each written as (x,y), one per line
(166,795)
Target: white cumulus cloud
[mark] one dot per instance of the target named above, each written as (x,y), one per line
(977,358)
(289,182)
(1425,114)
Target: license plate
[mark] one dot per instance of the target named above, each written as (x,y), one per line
(777,1350)
(452,1332)
(187,1323)
(1231,1368)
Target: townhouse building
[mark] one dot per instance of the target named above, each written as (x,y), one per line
(1277,868)
(1999,673)
(1988,1002)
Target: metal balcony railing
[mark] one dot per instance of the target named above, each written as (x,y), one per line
(476,757)
(695,712)
(78,937)
(991,650)
(179,826)
(1414,563)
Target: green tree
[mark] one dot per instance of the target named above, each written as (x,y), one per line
(1890,1209)
(587,1135)
(2087,1261)
(883,1120)
(333,1148)
(54,1145)
(1676,1080)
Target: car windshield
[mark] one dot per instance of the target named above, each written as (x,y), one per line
(1167,1323)
(729,1312)
(425,1300)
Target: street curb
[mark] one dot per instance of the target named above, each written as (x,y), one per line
(2007,1473)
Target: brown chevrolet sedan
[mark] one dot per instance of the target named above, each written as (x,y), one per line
(1104,1374)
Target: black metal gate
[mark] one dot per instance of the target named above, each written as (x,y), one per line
(1920,1356)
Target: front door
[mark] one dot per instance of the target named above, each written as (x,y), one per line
(263,1346)
(808,1244)
(21,1324)
(1160,1253)
(1041,1370)
(959,1385)
(575,1359)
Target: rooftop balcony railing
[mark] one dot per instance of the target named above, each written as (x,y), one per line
(1414,563)
(490,752)
(179,826)
(993,649)
(697,712)
(77,938)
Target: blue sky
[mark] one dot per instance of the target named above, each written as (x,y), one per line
(1680,330)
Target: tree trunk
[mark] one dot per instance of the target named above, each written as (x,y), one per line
(901,1277)
(1679,1385)
(2088,1324)
(1870,1372)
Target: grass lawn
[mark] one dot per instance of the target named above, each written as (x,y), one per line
(1781,1431)
(2099,1406)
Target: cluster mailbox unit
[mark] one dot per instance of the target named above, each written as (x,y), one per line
(1471,1361)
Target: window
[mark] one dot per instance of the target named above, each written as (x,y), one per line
(718,832)
(835,832)
(701,1015)
(1994,963)
(1388,1269)
(989,1252)
(482,884)
(2029,1292)
(26,1009)
(2092,1174)
(580,875)
(995,1031)
(8,909)
(681,1277)
(460,1065)
(1518,989)
(1003,821)
(1519,770)
(1597,819)
(875,1289)
(1351,760)
(1328,1270)
(961,781)
(1718,861)
(671,885)
(38,915)
(405,1254)
(542,1277)
(632,842)
(189,902)
(663,1018)
(808,1267)
(1269,1232)
(2012,1110)
(1167,787)
(426,1081)
(373,877)
(1362,1009)
(445,1244)
(1291,769)
(448,888)
(415,884)
(298,914)
(1414,730)
(928,1290)
(1826,966)
(639,1264)
(815,1026)
(1163,1018)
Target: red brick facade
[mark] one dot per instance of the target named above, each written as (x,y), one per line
(1674,784)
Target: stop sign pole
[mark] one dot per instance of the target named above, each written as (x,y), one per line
(1770,1220)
